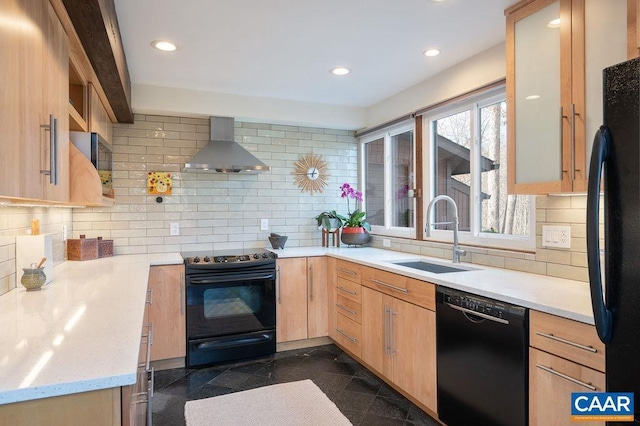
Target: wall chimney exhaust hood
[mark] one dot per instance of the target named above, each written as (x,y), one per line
(223,154)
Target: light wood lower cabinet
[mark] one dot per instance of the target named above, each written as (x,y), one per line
(565,356)
(551,381)
(302,299)
(398,341)
(167,312)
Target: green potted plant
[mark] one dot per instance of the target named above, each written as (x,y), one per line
(356,227)
(330,220)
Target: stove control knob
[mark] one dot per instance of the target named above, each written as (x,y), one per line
(220,259)
(196,259)
(206,259)
(265,255)
(256,256)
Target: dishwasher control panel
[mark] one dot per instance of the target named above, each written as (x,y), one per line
(480,305)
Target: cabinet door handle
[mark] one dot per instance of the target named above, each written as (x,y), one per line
(573,140)
(386,329)
(311,283)
(344,308)
(52,127)
(564,376)
(353,293)
(341,331)
(279,289)
(150,404)
(392,287)
(567,342)
(150,299)
(347,271)
(562,117)
(391,342)
(182,294)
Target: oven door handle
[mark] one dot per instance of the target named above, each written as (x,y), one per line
(221,344)
(229,279)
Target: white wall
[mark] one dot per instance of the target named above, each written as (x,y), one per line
(484,68)
(171,101)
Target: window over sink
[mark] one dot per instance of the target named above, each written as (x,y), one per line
(466,159)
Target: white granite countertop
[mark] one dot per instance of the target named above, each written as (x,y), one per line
(78,333)
(562,297)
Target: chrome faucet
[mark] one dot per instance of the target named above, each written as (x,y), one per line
(457,252)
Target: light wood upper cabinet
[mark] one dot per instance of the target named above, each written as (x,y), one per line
(34,85)
(302,310)
(554,88)
(99,121)
(167,312)
(55,101)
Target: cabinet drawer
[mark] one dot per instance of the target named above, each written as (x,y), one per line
(349,289)
(566,338)
(349,271)
(410,290)
(551,381)
(349,308)
(349,334)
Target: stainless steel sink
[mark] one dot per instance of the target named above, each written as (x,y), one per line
(435,268)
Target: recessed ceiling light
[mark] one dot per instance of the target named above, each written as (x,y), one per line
(532,97)
(340,71)
(165,46)
(431,52)
(554,24)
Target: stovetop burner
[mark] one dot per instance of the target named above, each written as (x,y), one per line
(228,256)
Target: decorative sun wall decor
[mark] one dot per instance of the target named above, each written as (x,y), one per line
(311,173)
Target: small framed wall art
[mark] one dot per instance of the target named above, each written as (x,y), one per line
(159,183)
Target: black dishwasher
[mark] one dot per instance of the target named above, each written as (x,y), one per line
(482,353)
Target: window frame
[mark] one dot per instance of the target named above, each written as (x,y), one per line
(386,134)
(474,236)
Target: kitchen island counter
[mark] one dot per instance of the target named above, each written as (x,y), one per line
(79,333)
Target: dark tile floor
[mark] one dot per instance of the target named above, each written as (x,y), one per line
(358,393)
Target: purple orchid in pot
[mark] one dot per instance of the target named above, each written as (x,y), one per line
(355,229)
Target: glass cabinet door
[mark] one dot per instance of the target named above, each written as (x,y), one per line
(536,95)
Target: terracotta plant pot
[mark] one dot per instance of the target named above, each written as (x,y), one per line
(354,236)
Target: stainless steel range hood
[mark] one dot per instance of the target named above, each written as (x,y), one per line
(222,154)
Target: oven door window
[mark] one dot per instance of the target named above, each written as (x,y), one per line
(232,301)
(222,309)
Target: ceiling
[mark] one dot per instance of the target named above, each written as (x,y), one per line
(284,49)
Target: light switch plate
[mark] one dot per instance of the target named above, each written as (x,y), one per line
(264,224)
(174,229)
(556,236)
(386,242)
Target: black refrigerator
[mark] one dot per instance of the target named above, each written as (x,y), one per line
(615,293)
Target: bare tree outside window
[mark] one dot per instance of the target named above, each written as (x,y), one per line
(454,155)
(501,213)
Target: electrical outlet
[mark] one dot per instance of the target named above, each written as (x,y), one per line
(264,224)
(174,229)
(556,236)
(386,242)
(64,232)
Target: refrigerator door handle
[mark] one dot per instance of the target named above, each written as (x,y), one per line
(599,157)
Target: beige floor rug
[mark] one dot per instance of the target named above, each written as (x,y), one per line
(294,403)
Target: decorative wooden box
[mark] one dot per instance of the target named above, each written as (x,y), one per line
(105,247)
(82,248)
